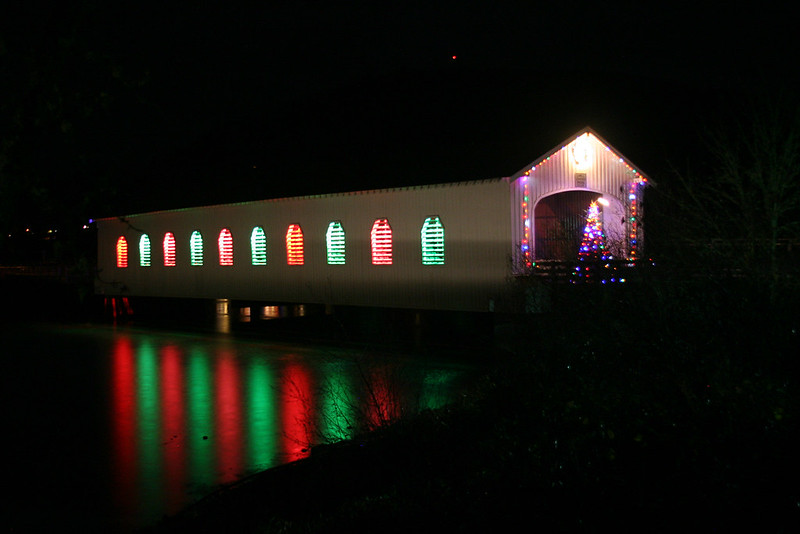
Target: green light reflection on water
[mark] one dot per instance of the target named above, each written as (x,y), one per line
(149,408)
(437,388)
(337,411)
(200,417)
(261,415)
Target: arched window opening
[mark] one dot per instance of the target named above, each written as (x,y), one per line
(294,245)
(558,221)
(381,239)
(196,248)
(258,246)
(144,251)
(432,238)
(169,250)
(335,241)
(225,242)
(122,252)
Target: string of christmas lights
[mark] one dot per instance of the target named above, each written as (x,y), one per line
(526,223)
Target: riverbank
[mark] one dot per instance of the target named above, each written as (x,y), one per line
(663,407)
(584,453)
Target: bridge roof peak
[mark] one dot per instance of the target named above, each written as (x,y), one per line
(584,135)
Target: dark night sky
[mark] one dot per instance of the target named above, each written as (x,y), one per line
(206,104)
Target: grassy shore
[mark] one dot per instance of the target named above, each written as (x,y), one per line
(659,406)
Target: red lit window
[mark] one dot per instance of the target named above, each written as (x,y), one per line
(169,250)
(225,247)
(122,252)
(381,238)
(294,245)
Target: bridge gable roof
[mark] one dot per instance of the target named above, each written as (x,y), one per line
(568,142)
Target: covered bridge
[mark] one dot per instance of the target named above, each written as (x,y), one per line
(451,246)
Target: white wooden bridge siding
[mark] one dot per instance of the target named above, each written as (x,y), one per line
(477,250)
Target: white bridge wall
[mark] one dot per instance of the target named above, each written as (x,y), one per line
(478,249)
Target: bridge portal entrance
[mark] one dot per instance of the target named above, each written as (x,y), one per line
(559,220)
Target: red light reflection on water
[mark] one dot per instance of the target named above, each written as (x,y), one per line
(382,404)
(124,424)
(296,403)
(173,409)
(228,417)
(184,420)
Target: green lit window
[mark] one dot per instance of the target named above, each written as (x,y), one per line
(225,242)
(122,252)
(144,251)
(432,237)
(335,240)
(196,248)
(258,246)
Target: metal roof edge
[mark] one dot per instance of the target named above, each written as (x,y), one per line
(311,197)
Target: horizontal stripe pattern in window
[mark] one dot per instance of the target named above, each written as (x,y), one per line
(381,241)
(169,249)
(432,239)
(335,241)
(295,254)
(258,246)
(225,242)
(122,252)
(196,249)
(144,251)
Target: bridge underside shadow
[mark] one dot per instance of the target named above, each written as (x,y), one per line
(418,330)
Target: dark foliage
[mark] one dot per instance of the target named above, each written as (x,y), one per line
(652,406)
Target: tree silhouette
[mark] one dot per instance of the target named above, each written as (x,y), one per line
(740,216)
(64,98)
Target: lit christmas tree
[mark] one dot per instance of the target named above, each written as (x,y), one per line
(593,244)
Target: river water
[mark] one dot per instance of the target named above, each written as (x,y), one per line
(111,428)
